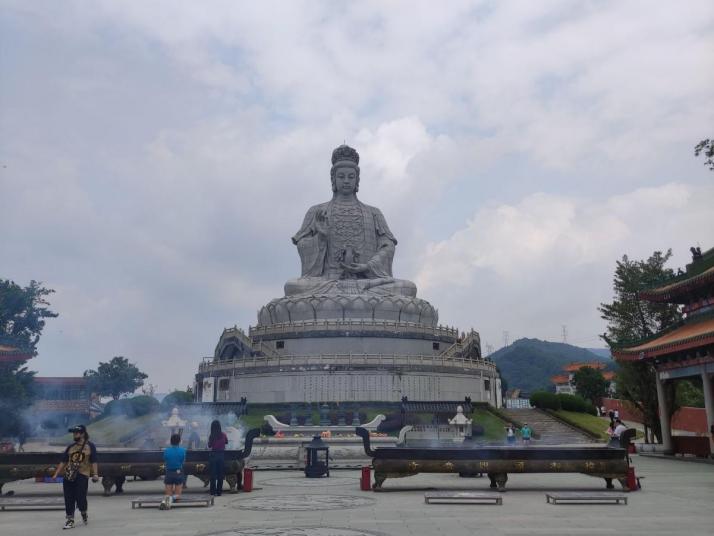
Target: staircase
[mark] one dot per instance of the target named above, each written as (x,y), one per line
(550,430)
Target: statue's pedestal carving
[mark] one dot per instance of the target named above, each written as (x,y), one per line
(367,306)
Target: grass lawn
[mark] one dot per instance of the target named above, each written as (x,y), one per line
(494,428)
(592,423)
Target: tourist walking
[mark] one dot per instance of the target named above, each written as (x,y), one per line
(526,434)
(78,465)
(217,442)
(174,458)
(510,435)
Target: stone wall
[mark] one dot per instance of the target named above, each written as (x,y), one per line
(354,385)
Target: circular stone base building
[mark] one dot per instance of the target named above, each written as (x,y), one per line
(347,330)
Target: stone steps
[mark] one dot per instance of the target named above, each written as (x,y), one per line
(550,430)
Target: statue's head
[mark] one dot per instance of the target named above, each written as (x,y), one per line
(344,160)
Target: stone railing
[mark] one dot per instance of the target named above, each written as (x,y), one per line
(322,360)
(362,324)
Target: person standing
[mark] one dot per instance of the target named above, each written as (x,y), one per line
(526,434)
(174,458)
(510,435)
(78,465)
(217,441)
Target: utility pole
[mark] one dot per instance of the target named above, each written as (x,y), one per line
(489,349)
(506,339)
(565,334)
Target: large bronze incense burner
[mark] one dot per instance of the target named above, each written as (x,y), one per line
(115,466)
(395,462)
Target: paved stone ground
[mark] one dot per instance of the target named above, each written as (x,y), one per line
(677,499)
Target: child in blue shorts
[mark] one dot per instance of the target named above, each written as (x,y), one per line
(174,456)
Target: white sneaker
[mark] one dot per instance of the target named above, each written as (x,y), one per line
(165,504)
(69,524)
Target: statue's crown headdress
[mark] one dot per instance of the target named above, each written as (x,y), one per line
(345,153)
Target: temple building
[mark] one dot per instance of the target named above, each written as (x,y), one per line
(347,329)
(685,350)
(565,383)
(62,401)
(10,354)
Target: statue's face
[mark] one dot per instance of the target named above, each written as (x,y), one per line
(346,180)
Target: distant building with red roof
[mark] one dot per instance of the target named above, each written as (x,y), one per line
(565,383)
(10,353)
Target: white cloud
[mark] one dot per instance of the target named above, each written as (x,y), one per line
(545,253)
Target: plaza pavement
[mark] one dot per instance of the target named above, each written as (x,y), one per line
(678,498)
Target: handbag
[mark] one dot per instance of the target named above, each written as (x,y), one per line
(75,460)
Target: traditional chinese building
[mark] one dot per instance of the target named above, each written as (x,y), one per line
(62,401)
(685,350)
(11,354)
(565,383)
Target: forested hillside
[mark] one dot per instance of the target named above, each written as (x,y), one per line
(528,364)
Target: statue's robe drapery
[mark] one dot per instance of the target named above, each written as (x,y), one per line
(355,233)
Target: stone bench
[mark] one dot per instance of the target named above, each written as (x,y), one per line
(156,500)
(462,497)
(585,497)
(32,503)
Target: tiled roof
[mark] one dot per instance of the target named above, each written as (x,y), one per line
(690,335)
(559,379)
(680,288)
(12,353)
(59,380)
(574,367)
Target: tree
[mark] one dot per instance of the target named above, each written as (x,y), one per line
(115,378)
(629,319)
(22,313)
(590,384)
(690,393)
(706,147)
(22,317)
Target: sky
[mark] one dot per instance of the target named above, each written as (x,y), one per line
(157,156)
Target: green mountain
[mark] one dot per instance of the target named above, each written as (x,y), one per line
(528,364)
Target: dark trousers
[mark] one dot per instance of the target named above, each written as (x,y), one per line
(75,493)
(216,470)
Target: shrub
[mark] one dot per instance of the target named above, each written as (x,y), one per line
(177,398)
(477,430)
(132,407)
(545,400)
(576,403)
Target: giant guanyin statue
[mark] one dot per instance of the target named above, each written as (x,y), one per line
(345,245)
(346,251)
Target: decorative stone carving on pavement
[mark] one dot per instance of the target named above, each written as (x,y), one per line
(302,482)
(295,531)
(303,502)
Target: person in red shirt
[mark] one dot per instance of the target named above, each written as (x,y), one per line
(217,442)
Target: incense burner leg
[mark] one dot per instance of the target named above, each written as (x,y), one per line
(378,481)
(107,483)
(608,483)
(623,483)
(500,479)
(119,482)
(232,481)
